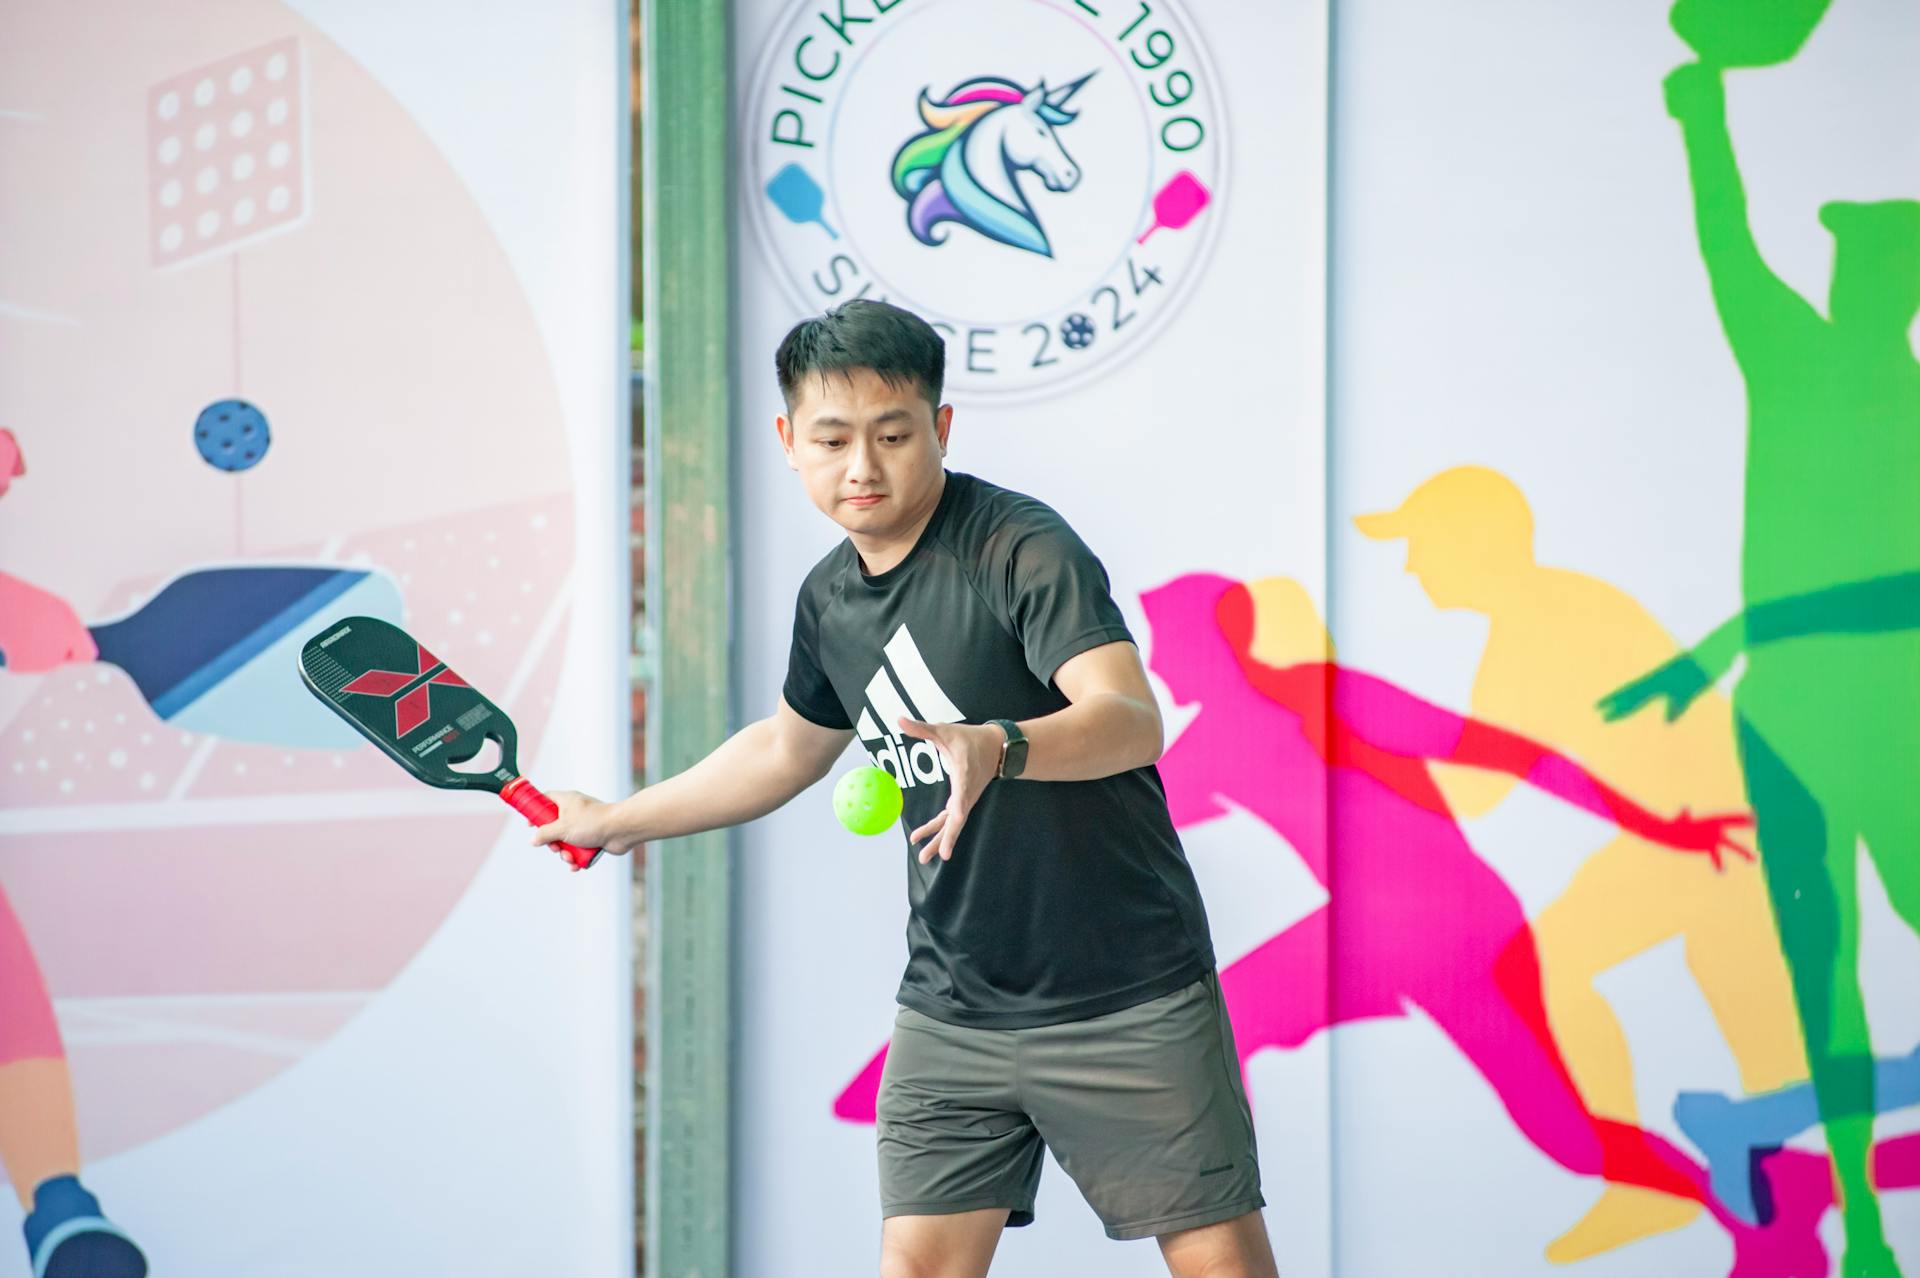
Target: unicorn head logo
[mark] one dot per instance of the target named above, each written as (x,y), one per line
(966,166)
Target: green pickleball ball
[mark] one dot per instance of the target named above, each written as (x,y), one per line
(867,800)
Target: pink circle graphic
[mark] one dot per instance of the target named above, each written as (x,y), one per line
(207,904)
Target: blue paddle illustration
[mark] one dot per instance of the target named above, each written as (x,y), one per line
(212,651)
(795,193)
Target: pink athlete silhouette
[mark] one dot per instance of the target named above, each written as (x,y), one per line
(1331,757)
(38,632)
(39,1136)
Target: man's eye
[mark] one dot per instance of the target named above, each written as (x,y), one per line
(890,439)
(829,443)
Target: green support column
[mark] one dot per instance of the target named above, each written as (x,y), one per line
(686,167)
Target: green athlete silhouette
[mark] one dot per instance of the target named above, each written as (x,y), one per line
(1829,723)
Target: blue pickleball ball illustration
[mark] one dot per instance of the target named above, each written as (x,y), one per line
(231,434)
(1076,330)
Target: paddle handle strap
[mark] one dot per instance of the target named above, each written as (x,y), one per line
(524,797)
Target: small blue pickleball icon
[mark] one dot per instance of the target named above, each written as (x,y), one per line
(231,434)
(795,193)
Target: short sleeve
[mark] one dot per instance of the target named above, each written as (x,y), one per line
(808,690)
(1058,597)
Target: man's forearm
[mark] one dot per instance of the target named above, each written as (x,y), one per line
(1716,653)
(1873,606)
(1098,737)
(746,777)
(1857,607)
(1482,745)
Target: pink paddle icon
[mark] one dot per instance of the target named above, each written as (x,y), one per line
(1178,203)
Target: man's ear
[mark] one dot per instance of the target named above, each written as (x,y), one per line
(942,425)
(783,427)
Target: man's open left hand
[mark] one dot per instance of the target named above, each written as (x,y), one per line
(971,754)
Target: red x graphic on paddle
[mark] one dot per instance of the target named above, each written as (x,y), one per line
(411,687)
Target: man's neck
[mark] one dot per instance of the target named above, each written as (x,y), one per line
(878,556)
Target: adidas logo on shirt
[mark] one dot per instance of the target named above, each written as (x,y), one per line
(904,686)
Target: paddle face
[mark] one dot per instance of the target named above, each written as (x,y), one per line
(408,702)
(795,193)
(1746,33)
(1180,201)
(212,650)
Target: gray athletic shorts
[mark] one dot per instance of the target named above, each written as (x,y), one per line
(1142,1107)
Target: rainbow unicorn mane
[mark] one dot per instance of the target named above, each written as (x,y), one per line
(930,172)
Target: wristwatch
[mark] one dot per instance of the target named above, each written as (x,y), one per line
(1013,753)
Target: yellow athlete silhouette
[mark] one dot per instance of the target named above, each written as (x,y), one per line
(1557,641)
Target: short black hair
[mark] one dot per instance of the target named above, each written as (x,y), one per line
(896,344)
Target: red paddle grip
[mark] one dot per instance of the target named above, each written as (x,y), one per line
(524,797)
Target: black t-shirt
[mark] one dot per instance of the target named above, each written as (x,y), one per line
(1064,899)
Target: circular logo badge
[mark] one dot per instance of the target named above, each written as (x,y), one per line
(1041,179)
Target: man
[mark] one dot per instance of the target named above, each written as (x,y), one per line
(1557,639)
(1828,726)
(1060,989)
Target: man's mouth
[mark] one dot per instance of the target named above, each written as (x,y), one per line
(870,499)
